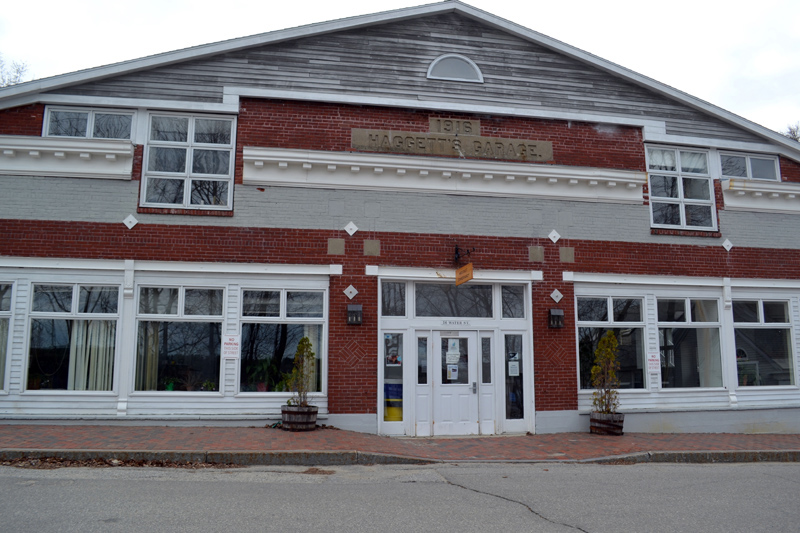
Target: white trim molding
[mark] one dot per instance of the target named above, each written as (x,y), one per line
(679,281)
(353,170)
(65,157)
(450,274)
(758,195)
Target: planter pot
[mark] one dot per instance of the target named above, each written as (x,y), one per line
(296,418)
(606,424)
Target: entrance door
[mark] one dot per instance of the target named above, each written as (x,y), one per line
(455,383)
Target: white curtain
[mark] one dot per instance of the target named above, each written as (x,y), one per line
(3,345)
(91,361)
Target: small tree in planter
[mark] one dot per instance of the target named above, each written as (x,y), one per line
(298,415)
(604,418)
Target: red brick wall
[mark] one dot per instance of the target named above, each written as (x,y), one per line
(25,120)
(353,349)
(790,170)
(321,126)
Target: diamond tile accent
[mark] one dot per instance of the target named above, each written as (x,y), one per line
(556,296)
(350,292)
(554,236)
(727,245)
(130,221)
(351,228)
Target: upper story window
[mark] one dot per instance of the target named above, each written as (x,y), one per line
(189,162)
(681,193)
(454,67)
(749,167)
(88,123)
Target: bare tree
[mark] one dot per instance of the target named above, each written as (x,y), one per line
(13,73)
(793,132)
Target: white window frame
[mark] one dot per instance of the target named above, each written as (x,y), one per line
(762,324)
(91,115)
(681,200)
(478,74)
(749,168)
(187,175)
(74,314)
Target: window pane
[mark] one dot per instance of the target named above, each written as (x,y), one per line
(447,300)
(696,189)
(158,300)
(776,313)
(734,166)
(108,126)
(52,298)
(393,299)
(3,347)
(204,302)
(764,357)
(5,297)
(627,309)
(704,311)
(763,169)
(664,186)
(393,377)
(698,215)
(661,159)
(667,214)
(593,309)
(454,68)
(745,311)
(206,192)
(486,359)
(161,191)
(513,297)
(211,131)
(261,303)
(211,161)
(173,129)
(71,354)
(694,162)
(422,361)
(515,406)
(68,123)
(268,354)
(167,160)
(455,361)
(98,299)
(304,304)
(630,352)
(671,310)
(178,356)
(690,357)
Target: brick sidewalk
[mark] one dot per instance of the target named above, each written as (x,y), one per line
(255,440)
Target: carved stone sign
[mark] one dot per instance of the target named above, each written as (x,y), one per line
(452,145)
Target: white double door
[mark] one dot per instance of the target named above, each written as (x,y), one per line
(457,393)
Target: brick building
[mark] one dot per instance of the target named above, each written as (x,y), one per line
(172,226)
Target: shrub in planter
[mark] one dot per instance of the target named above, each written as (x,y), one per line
(604,418)
(298,415)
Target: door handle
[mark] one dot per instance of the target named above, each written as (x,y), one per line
(474,387)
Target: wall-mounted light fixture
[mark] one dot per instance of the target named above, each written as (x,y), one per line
(354,315)
(556,318)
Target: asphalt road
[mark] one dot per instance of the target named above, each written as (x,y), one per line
(467,497)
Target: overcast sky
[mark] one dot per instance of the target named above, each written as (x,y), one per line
(743,56)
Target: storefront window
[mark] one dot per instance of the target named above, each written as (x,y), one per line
(690,353)
(515,405)
(5,315)
(763,343)
(393,377)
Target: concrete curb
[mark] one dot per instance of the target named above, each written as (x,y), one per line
(708,456)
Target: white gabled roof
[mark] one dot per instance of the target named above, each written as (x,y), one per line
(15,95)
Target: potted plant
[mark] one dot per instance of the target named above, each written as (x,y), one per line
(297,415)
(604,419)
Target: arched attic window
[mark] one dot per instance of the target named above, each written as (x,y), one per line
(454,67)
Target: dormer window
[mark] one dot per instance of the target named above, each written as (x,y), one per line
(749,167)
(454,67)
(88,123)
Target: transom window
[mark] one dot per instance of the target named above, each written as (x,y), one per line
(749,167)
(73,333)
(88,123)
(689,341)
(681,193)
(189,162)
(455,67)
(5,318)
(273,323)
(763,343)
(448,300)
(179,339)
(623,316)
